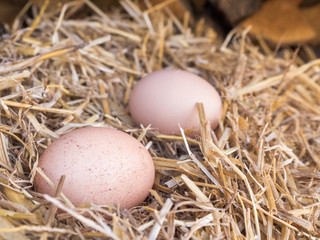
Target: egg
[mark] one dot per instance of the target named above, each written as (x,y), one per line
(101,165)
(167,98)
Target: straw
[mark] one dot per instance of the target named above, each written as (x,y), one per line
(256,176)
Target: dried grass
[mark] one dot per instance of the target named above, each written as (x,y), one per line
(255,176)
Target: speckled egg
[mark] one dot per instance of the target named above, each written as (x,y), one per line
(167,98)
(102,166)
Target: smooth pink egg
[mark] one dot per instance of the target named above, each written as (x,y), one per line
(167,98)
(102,166)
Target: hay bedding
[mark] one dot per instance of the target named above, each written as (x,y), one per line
(256,176)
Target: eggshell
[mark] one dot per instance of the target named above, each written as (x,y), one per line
(167,97)
(102,165)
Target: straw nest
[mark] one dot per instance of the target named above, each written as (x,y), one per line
(255,176)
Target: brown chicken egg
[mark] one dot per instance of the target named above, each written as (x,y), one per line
(101,165)
(167,98)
